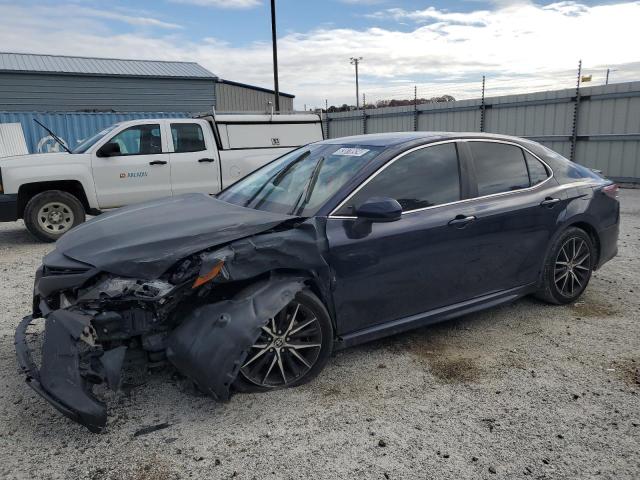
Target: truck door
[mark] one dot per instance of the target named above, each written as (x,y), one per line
(195,166)
(139,172)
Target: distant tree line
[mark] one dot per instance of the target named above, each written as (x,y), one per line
(389,103)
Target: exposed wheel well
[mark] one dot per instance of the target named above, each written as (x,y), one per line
(593,234)
(27,191)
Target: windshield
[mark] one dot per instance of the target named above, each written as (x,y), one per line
(91,141)
(299,182)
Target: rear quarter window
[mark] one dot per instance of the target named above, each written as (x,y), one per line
(538,173)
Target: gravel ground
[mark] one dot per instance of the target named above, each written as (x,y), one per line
(520,390)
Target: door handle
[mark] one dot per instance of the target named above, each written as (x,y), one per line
(158,162)
(207,160)
(549,202)
(461,221)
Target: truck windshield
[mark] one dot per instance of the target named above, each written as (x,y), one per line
(299,182)
(91,141)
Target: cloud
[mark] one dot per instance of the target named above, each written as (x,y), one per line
(519,48)
(128,19)
(230,4)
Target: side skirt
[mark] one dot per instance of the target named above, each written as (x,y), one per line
(434,316)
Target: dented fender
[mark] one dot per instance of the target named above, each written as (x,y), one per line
(212,343)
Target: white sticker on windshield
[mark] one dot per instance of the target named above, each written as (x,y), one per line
(351,152)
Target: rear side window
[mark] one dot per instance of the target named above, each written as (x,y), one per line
(499,167)
(537,171)
(187,137)
(423,178)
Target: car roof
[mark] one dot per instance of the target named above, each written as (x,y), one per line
(398,138)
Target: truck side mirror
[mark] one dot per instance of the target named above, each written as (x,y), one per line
(109,149)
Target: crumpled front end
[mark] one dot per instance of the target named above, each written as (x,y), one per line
(202,316)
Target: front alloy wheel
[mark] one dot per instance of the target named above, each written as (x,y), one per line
(292,348)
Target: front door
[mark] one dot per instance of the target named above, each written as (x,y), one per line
(194,165)
(140,172)
(387,271)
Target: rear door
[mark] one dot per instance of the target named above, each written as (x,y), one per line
(195,165)
(139,173)
(515,213)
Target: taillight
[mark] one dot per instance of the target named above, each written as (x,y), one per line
(611,191)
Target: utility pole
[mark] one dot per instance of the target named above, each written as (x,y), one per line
(275,55)
(356,61)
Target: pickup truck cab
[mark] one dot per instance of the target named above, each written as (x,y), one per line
(140,160)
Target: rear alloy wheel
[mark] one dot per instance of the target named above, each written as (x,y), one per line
(51,214)
(568,267)
(292,348)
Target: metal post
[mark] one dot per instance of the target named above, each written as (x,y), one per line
(356,61)
(364,115)
(326,116)
(415,108)
(274,43)
(482,107)
(576,109)
(606,82)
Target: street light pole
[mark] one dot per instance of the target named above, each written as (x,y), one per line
(356,61)
(275,55)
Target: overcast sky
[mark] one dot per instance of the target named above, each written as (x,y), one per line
(442,46)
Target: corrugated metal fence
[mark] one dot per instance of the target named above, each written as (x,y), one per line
(72,127)
(606,128)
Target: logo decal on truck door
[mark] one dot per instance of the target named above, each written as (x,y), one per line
(124,175)
(275,141)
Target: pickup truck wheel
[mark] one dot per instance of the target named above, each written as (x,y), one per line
(51,214)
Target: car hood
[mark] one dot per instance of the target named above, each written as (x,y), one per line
(144,240)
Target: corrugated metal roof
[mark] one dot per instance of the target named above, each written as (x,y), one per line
(27,62)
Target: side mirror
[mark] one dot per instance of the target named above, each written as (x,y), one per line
(380,209)
(109,149)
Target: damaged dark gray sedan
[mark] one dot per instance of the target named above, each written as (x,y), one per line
(336,243)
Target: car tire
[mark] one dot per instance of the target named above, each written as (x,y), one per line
(254,375)
(568,267)
(51,214)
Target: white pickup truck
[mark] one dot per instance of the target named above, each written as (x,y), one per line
(141,160)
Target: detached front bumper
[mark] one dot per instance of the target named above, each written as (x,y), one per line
(62,376)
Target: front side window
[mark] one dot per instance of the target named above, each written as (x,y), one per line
(91,141)
(139,140)
(499,167)
(300,182)
(187,137)
(423,178)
